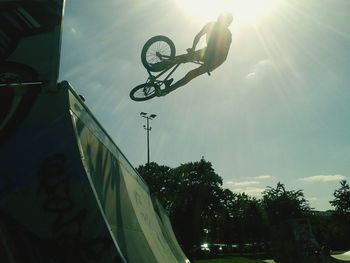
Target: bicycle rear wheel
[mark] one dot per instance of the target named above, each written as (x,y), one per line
(155,48)
(143,92)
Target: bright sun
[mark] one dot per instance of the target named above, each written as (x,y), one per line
(242,10)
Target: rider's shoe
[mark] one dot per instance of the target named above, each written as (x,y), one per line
(162,93)
(168,82)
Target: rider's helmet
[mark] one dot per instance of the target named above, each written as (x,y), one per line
(225,19)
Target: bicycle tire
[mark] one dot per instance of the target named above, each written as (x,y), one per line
(161,44)
(143,92)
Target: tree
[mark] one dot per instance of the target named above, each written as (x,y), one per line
(341,200)
(160,181)
(281,204)
(291,235)
(341,217)
(190,194)
(197,192)
(248,219)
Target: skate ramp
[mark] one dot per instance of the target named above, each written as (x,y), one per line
(167,230)
(67,193)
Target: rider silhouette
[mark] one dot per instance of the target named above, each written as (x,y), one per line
(218,38)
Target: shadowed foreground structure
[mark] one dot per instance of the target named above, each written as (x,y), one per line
(67,193)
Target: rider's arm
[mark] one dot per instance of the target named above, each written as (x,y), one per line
(199,35)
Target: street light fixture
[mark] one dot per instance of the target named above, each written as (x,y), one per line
(148,129)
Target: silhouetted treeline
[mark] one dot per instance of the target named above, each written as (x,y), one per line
(201,210)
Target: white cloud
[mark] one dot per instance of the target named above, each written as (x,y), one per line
(244,183)
(323,178)
(251,75)
(248,187)
(263,177)
(252,191)
(259,69)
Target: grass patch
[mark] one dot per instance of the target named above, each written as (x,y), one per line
(338,252)
(229,260)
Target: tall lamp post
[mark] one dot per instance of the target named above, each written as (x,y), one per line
(147,128)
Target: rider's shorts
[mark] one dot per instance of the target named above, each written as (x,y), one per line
(211,57)
(214,58)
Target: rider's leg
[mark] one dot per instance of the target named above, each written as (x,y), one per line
(195,73)
(183,58)
(189,76)
(198,55)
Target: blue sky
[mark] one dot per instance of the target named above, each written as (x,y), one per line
(276,110)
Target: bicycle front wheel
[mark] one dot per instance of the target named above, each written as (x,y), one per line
(143,92)
(156,51)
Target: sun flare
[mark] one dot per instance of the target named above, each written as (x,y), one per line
(243,10)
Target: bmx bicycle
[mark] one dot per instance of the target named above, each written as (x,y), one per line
(158,57)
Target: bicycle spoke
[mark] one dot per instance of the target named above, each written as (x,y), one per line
(155,53)
(145,92)
(164,51)
(153,59)
(163,48)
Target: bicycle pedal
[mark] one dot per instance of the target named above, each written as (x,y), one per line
(162,93)
(168,82)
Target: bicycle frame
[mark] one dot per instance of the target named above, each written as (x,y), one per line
(154,78)
(172,67)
